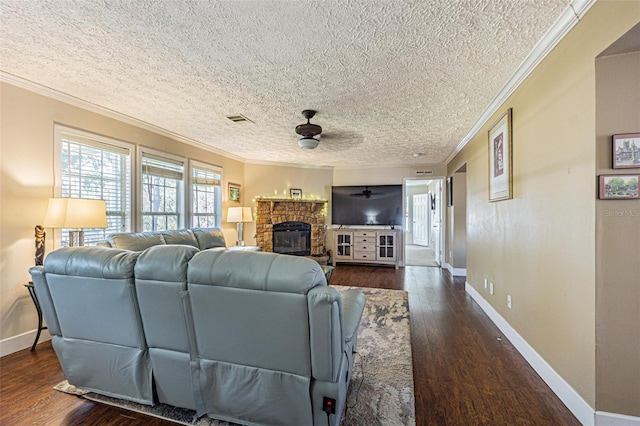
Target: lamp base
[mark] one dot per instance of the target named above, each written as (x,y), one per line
(240,232)
(76,238)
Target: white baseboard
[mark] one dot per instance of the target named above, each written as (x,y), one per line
(21,341)
(611,419)
(574,402)
(456,272)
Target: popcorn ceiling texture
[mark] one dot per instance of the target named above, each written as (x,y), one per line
(388,78)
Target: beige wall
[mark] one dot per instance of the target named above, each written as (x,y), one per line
(27,182)
(617,243)
(383,175)
(539,247)
(458,222)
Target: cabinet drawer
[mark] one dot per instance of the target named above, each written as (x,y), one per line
(366,239)
(370,234)
(365,247)
(364,255)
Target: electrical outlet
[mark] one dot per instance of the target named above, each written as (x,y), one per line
(491,288)
(485,283)
(509,301)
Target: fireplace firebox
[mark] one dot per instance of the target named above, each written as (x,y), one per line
(292,238)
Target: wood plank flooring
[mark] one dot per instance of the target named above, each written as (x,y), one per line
(464,374)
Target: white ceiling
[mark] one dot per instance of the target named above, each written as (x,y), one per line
(389,79)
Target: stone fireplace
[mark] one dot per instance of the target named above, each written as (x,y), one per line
(278,211)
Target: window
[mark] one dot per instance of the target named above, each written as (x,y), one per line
(92,166)
(205,195)
(162,193)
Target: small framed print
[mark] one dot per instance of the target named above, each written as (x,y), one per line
(500,169)
(618,187)
(449,191)
(626,151)
(295,193)
(234,192)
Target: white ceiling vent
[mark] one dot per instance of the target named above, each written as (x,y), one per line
(238,118)
(424,172)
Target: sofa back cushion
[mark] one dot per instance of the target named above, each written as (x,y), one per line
(209,238)
(256,303)
(102,345)
(251,327)
(93,291)
(180,236)
(161,279)
(135,241)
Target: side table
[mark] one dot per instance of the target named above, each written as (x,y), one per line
(245,248)
(34,297)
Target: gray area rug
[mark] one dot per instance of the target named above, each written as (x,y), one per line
(381,389)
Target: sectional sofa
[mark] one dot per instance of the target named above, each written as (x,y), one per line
(248,337)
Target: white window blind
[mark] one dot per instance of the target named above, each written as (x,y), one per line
(162,199)
(90,168)
(206,196)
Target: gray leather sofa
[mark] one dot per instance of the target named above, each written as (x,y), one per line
(248,337)
(202,238)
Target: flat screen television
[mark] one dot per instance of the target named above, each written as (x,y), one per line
(366,205)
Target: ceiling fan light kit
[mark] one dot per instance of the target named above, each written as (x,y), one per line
(308,143)
(308,131)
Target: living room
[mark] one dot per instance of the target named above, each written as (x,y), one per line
(566,259)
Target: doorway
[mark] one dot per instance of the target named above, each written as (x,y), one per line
(423,222)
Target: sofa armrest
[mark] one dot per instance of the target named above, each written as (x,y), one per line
(352,307)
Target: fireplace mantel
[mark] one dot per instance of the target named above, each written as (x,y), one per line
(277,210)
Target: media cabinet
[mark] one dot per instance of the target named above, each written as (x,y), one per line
(366,246)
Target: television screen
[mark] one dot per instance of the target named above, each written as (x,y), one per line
(366,205)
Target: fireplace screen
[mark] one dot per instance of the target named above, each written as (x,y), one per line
(292,238)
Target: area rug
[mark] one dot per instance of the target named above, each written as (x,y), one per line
(381,389)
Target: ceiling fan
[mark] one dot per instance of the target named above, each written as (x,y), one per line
(308,131)
(366,193)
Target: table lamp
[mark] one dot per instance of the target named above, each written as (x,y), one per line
(76,214)
(239,215)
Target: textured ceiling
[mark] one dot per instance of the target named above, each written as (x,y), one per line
(389,78)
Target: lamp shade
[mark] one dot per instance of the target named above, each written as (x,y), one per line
(76,213)
(239,214)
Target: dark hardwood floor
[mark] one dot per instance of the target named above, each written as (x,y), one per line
(465,372)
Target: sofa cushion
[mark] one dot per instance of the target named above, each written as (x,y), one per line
(135,241)
(209,238)
(180,236)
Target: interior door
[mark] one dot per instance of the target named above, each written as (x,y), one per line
(421,219)
(436,224)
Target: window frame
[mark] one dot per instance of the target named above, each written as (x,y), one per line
(180,203)
(199,165)
(60,132)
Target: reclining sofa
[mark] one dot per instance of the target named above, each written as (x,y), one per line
(247,337)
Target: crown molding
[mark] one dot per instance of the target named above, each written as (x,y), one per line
(569,18)
(81,103)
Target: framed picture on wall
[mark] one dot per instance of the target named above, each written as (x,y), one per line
(234,192)
(500,156)
(295,193)
(626,151)
(618,187)
(450,191)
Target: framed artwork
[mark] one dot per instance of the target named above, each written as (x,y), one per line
(449,191)
(500,167)
(626,151)
(295,193)
(234,192)
(618,187)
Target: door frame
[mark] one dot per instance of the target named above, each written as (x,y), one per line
(408,181)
